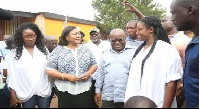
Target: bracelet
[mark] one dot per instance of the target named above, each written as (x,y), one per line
(63,76)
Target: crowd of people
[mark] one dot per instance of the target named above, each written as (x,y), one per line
(150,64)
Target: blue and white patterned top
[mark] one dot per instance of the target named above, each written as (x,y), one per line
(74,62)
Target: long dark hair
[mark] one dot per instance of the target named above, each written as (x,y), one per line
(62,39)
(160,34)
(19,40)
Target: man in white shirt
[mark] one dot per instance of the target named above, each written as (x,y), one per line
(97,46)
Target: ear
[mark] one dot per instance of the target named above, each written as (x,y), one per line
(191,9)
(151,30)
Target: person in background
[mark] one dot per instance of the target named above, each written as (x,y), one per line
(179,40)
(51,43)
(131,26)
(3,45)
(4,51)
(27,80)
(113,71)
(83,41)
(151,62)
(185,14)
(97,46)
(71,65)
(139,102)
(4,95)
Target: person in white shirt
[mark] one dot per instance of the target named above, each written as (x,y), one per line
(27,80)
(97,46)
(156,65)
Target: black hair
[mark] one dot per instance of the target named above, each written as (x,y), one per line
(160,34)
(188,2)
(9,42)
(139,102)
(82,34)
(108,32)
(133,21)
(62,39)
(19,40)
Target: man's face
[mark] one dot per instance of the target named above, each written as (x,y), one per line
(95,37)
(168,23)
(180,16)
(131,29)
(118,42)
(51,44)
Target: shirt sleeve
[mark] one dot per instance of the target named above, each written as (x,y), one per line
(52,62)
(100,76)
(92,58)
(174,66)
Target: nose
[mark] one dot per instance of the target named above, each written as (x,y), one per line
(137,33)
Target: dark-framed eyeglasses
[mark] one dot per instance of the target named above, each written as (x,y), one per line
(33,36)
(94,34)
(116,40)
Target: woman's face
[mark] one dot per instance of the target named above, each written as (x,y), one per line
(143,32)
(74,37)
(29,37)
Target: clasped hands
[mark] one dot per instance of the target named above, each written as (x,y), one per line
(83,77)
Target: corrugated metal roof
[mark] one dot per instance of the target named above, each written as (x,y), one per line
(52,16)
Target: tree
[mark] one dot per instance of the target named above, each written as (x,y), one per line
(112,13)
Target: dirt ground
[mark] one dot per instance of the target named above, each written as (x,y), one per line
(54,102)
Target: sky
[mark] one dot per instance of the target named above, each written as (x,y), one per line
(73,8)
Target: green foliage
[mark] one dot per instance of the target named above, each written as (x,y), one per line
(112,13)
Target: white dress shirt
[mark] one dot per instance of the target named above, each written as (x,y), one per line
(27,75)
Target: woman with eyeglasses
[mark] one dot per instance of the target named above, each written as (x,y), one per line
(27,80)
(156,65)
(71,64)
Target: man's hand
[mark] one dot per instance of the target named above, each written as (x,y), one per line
(97,98)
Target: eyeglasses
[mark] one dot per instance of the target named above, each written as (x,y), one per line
(114,41)
(33,36)
(94,34)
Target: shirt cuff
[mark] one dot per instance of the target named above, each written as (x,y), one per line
(98,90)
(173,78)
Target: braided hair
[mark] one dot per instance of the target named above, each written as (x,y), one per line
(19,40)
(160,34)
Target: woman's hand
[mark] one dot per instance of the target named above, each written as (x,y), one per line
(85,76)
(73,78)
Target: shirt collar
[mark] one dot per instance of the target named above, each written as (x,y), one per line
(195,40)
(126,47)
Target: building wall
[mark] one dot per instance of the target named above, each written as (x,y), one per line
(85,28)
(54,27)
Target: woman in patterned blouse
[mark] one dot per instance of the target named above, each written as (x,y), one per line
(71,64)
